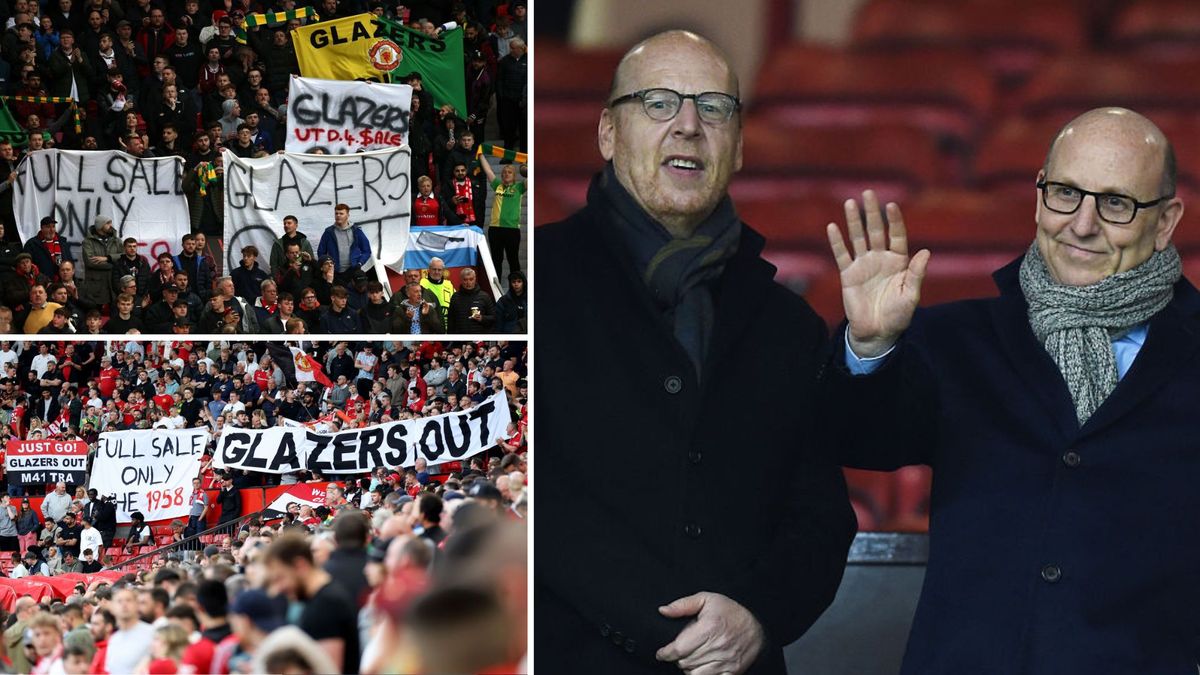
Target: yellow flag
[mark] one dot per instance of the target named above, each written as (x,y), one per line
(341,49)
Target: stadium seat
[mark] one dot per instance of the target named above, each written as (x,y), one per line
(1167,30)
(571,82)
(910,509)
(1011,153)
(896,161)
(873,489)
(970,221)
(1078,82)
(1012,38)
(804,85)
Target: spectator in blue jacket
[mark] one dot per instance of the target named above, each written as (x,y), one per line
(346,244)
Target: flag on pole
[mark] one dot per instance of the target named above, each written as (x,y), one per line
(297,366)
(366,47)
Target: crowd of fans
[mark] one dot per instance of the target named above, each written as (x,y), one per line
(157,80)
(403,570)
(183,294)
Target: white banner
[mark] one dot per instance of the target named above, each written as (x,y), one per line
(439,439)
(144,197)
(259,193)
(342,117)
(149,471)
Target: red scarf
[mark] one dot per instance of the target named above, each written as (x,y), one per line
(465,209)
(54,248)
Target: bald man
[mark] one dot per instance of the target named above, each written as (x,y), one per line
(729,537)
(1059,418)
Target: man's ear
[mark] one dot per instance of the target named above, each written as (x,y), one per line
(606,134)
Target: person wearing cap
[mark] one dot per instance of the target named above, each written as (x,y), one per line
(69,72)
(101,248)
(160,316)
(253,615)
(479,85)
(20,281)
(46,248)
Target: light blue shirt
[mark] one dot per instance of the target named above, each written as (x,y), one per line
(1125,348)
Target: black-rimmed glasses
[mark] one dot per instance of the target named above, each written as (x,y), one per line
(662,105)
(1113,208)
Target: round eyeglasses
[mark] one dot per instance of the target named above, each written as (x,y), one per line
(1113,208)
(662,105)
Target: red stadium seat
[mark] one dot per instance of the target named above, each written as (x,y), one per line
(1012,152)
(1078,82)
(1013,38)
(1158,29)
(872,489)
(896,161)
(572,82)
(802,85)
(970,220)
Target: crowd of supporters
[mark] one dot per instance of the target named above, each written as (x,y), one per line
(403,570)
(176,79)
(183,293)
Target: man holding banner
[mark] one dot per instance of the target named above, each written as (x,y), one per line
(346,244)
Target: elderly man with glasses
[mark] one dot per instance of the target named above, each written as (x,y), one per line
(723,537)
(1060,419)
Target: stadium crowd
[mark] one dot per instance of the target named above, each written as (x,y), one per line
(419,569)
(177,79)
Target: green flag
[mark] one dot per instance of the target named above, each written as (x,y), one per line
(440,63)
(9,129)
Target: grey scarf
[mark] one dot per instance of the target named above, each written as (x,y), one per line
(1077,324)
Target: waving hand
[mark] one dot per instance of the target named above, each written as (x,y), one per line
(881,285)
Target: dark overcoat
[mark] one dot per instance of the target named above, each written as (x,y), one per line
(1053,548)
(653,484)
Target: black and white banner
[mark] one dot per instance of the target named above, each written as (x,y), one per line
(149,470)
(342,117)
(438,439)
(144,197)
(44,462)
(260,193)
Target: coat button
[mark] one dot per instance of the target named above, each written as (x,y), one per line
(692,530)
(1051,573)
(1071,458)
(618,638)
(694,456)
(673,384)
(605,630)
(630,645)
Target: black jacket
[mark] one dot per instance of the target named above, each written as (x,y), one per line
(459,316)
(716,487)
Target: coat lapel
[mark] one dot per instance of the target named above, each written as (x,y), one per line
(1171,341)
(738,297)
(1026,355)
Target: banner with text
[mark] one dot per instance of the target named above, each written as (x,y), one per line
(42,462)
(300,494)
(438,439)
(340,118)
(259,193)
(144,197)
(149,471)
(367,47)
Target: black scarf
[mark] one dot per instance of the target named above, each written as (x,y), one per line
(678,271)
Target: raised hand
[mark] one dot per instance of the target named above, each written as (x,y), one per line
(881,285)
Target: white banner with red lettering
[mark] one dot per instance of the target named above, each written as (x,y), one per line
(148,470)
(339,117)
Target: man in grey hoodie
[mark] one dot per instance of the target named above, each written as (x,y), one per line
(230,118)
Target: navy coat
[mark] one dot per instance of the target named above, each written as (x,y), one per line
(653,485)
(1053,549)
